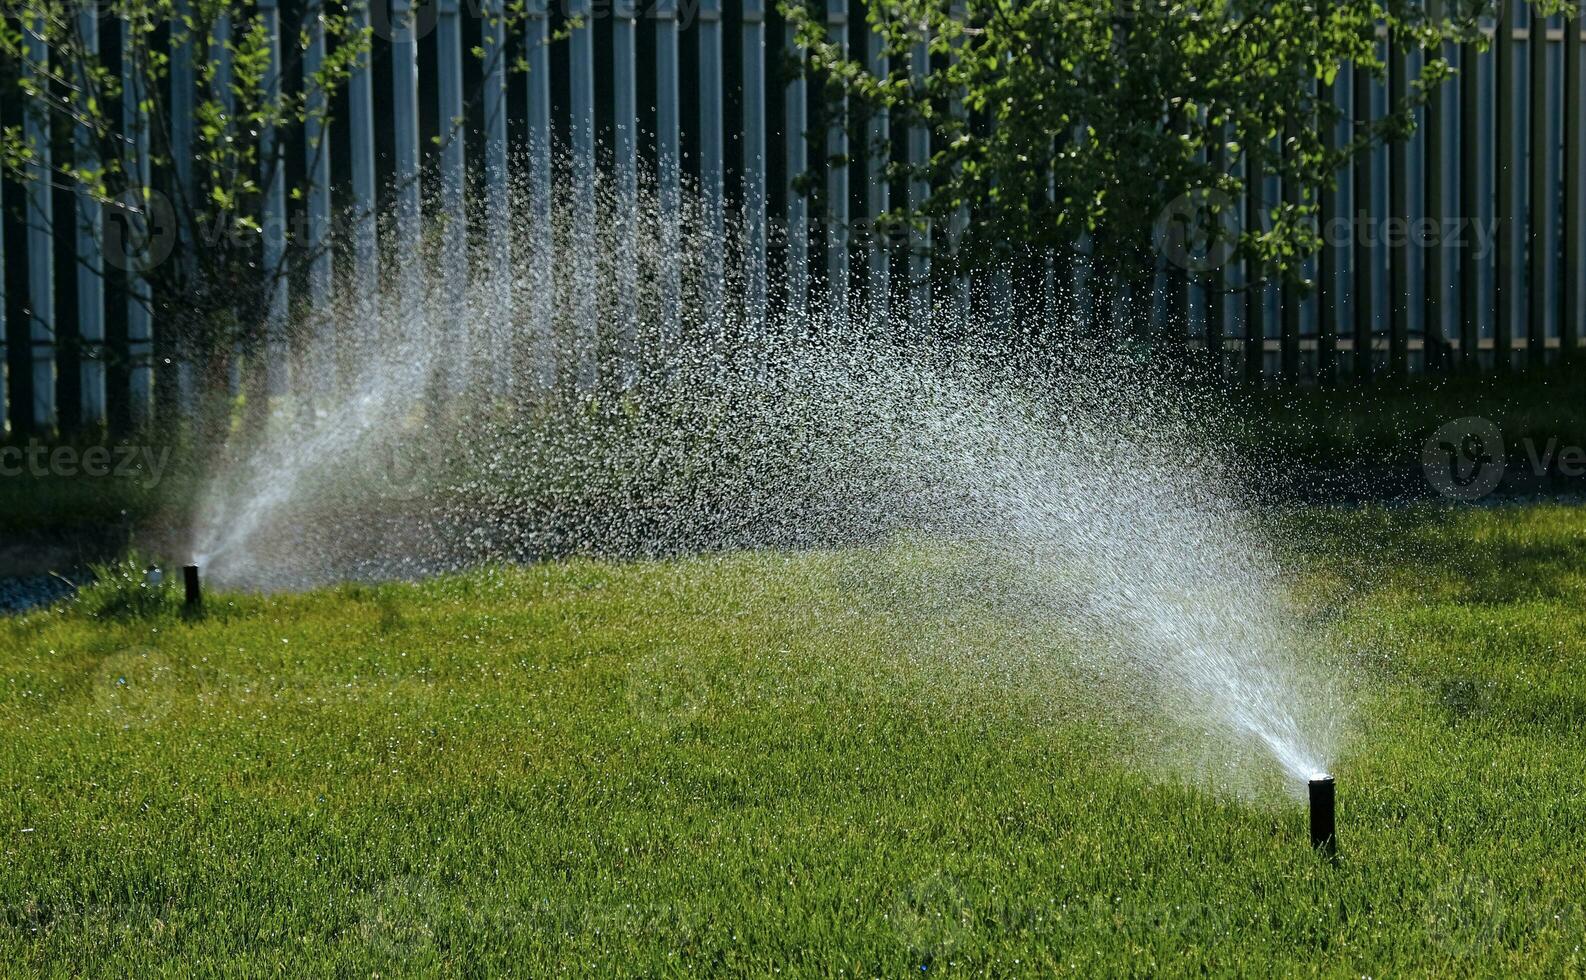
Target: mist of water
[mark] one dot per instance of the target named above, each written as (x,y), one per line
(434,426)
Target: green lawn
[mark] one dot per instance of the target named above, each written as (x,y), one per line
(730,765)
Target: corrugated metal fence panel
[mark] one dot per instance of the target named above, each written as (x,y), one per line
(1425,264)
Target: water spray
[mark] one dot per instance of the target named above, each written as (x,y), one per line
(1051,510)
(1323,837)
(195,592)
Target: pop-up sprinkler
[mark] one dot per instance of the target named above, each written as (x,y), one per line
(195,592)
(1323,837)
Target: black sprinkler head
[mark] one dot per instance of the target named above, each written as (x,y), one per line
(195,593)
(1323,836)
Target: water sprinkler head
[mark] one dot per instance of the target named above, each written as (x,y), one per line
(1323,837)
(195,593)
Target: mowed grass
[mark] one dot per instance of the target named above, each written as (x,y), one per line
(725,765)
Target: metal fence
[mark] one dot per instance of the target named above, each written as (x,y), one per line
(1460,249)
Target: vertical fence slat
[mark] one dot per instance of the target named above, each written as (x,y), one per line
(919,156)
(1508,173)
(1542,203)
(90,260)
(1362,254)
(958,224)
(712,165)
(453,149)
(181,133)
(1435,299)
(360,137)
(1524,134)
(1574,315)
(41,231)
(449,95)
(837,173)
(1471,135)
(1398,212)
(878,193)
(221,79)
(537,36)
(581,108)
(140,327)
(625,128)
(1255,295)
(405,129)
(274,176)
(668,164)
(1050,255)
(1327,260)
(796,148)
(1292,304)
(316,143)
(498,198)
(5,352)
(754,162)
(1216,279)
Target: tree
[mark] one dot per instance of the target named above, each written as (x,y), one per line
(183,184)
(1086,125)
(116,140)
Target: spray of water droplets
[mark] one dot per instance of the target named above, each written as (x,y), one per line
(443,422)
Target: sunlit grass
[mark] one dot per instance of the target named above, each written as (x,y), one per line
(730,765)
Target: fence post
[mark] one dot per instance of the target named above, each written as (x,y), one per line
(581,82)
(1255,286)
(1470,138)
(317,150)
(711,154)
(181,134)
(140,300)
(1434,299)
(41,232)
(1542,254)
(919,157)
(5,393)
(360,119)
(754,191)
(90,258)
(454,235)
(837,174)
(220,55)
(1574,316)
(959,223)
(497,197)
(1218,306)
(273,163)
(1508,126)
(1291,306)
(878,193)
(624,40)
(796,112)
(405,128)
(668,169)
(1398,210)
(542,281)
(449,92)
(1327,266)
(1364,266)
